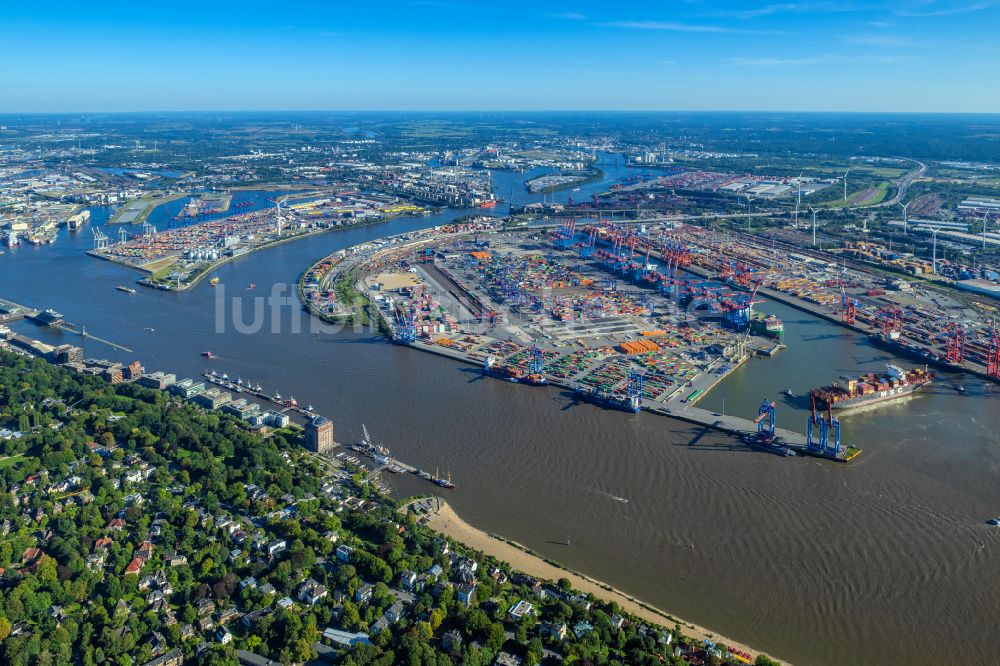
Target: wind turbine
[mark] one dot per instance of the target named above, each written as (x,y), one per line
(845,184)
(934,232)
(798,200)
(905,219)
(814,224)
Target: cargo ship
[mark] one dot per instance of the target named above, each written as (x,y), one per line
(512,374)
(767,325)
(872,388)
(612,400)
(491,203)
(74,222)
(926,354)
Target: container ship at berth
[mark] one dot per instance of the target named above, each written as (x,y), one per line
(513,373)
(872,388)
(768,326)
(610,400)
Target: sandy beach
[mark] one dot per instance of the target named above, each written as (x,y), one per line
(446,521)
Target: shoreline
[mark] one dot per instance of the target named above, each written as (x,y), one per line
(447,522)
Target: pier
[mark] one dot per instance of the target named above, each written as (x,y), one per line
(11,311)
(740,427)
(733,425)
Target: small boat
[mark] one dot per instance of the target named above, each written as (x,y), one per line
(788,392)
(127,290)
(149,329)
(225,377)
(214,281)
(995,522)
(309,408)
(207,354)
(251,286)
(959,388)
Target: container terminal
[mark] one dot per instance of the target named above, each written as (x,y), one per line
(529,308)
(649,315)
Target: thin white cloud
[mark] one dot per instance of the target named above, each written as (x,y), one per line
(877,40)
(777,8)
(568,16)
(930,9)
(766,10)
(773,62)
(669,26)
(767,61)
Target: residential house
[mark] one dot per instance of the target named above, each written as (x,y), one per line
(205,607)
(521,610)
(364,593)
(174,657)
(555,630)
(506,659)
(395,612)
(466,594)
(451,642)
(276,547)
(407,580)
(311,592)
(581,629)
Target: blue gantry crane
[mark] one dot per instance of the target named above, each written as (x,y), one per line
(766,413)
(536,364)
(825,425)
(633,390)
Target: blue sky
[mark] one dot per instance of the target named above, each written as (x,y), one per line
(908,55)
